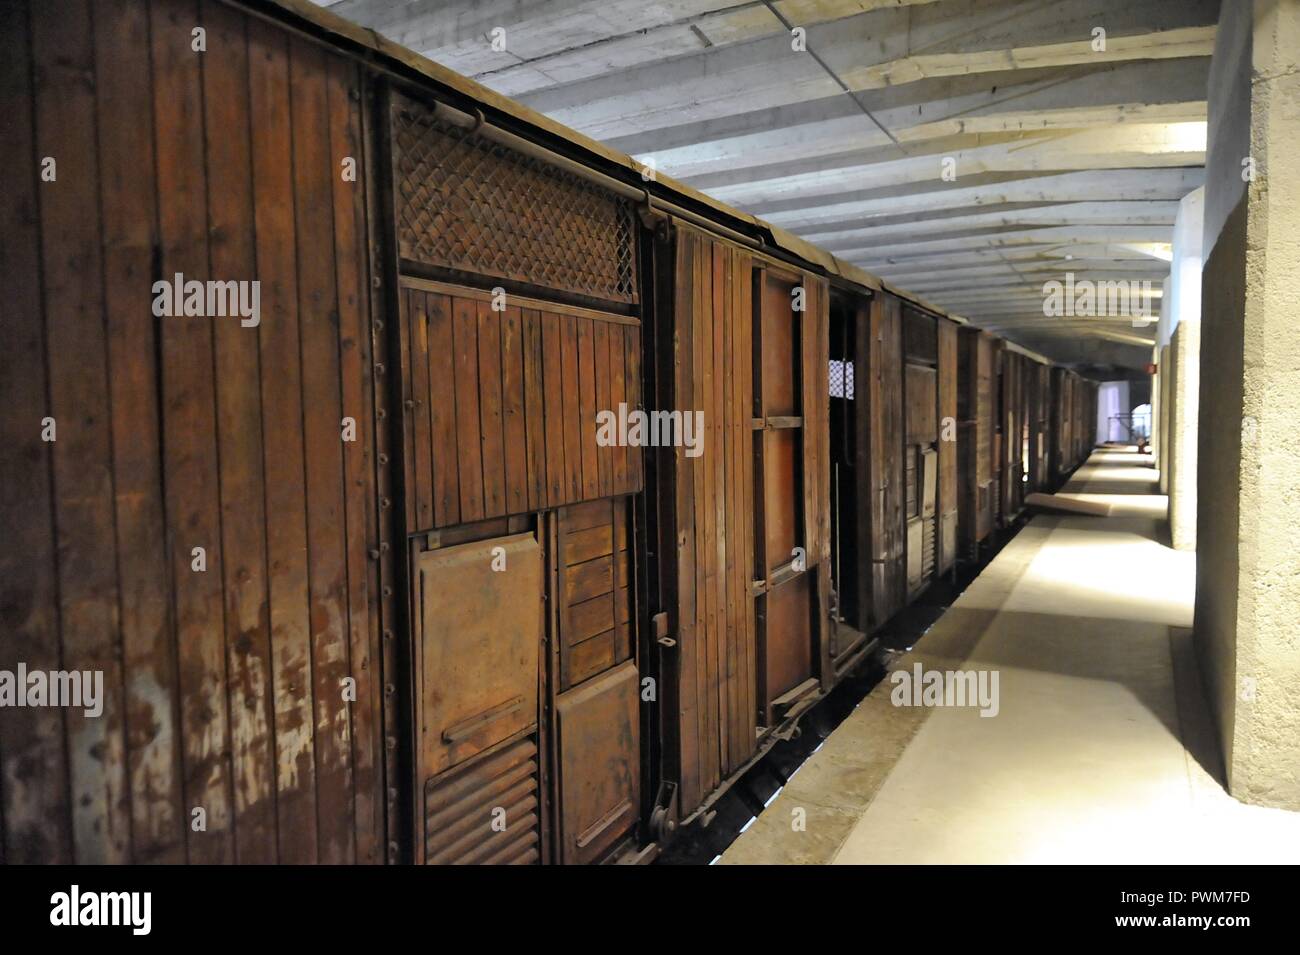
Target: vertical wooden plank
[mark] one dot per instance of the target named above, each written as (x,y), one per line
(745,371)
(632,390)
(469,447)
(600,350)
(406,346)
(714,452)
(420,411)
(489,389)
(441,371)
(824,366)
(76,357)
(587,408)
(870,427)
(894,409)
(572,409)
(286,506)
(808,401)
(512,410)
(731,435)
(33,770)
(687,635)
(552,374)
(128,204)
(706,543)
(821,435)
(617,397)
(946,506)
(322,406)
(699,322)
(535,409)
(189,433)
(239,430)
(361,523)
(618,509)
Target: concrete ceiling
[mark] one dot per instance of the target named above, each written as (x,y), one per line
(1061,157)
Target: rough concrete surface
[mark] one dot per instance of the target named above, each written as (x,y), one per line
(1102,749)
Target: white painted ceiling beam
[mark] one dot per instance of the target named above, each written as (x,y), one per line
(1096,95)
(884,47)
(980,190)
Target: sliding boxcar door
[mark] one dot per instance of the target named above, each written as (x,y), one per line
(947,496)
(920,452)
(885,435)
(477,656)
(713,502)
(785,606)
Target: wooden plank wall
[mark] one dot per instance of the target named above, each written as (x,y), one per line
(222,686)
(502,405)
(714,623)
(595,577)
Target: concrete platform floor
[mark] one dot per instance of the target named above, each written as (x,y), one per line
(1101,750)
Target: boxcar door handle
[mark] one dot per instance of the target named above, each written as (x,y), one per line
(600,825)
(467,728)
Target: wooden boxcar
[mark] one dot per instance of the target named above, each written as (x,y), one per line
(525,505)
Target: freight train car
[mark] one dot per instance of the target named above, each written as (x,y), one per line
(426,483)
(1073,423)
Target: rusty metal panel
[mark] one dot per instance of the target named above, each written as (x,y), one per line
(599,764)
(478,647)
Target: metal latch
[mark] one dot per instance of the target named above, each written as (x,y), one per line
(660,624)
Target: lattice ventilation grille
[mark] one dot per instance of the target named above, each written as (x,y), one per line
(467,203)
(841,379)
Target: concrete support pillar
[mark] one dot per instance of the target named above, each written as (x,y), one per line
(1248,520)
(1155,408)
(1185,385)
(1162,379)
(1185,367)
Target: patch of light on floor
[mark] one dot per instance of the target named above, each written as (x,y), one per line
(772,797)
(1115,574)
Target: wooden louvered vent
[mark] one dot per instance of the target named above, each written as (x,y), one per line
(462,806)
(469,204)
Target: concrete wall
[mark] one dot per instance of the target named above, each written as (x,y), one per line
(1248,513)
(1184,367)
(1112,399)
(1184,386)
(1166,445)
